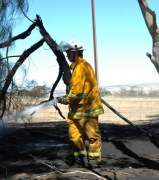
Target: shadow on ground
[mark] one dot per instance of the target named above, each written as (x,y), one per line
(42,151)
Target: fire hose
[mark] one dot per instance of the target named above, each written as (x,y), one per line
(125,119)
(152,138)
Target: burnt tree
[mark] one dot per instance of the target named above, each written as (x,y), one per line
(64,70)
(150,20)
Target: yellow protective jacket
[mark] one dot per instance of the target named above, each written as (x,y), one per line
(83,98)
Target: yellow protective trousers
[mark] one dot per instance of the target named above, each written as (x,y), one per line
(79,131)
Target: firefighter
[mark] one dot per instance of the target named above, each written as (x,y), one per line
(84,106)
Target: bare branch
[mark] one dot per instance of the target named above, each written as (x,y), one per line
(150,20)
(149,17)
(20,36)
(9,57)
(60,56)
(26,15)
(11,74)
(22,58)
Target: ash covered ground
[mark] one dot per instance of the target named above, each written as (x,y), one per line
(42,151)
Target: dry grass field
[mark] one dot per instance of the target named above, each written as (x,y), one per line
(137,110)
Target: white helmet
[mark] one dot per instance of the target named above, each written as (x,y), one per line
(72,45)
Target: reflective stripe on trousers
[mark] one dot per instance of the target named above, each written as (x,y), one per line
(85,153)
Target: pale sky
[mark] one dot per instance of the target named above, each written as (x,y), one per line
(122,39)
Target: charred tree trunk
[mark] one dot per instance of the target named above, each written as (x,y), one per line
(11,74)
(64,70)
(150,20)
(60,56)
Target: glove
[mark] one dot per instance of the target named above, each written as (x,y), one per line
(62,100)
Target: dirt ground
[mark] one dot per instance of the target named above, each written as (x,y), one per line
(42,151)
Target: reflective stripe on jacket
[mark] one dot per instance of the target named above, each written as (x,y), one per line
(83,97)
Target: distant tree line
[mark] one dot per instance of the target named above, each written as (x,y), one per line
(132,92)
(44,91)
(35,92)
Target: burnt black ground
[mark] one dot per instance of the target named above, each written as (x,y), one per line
(43,149)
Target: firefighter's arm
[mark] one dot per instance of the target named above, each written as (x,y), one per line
(76,92)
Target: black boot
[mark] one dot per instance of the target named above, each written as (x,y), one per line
(79,162)
(95,163)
